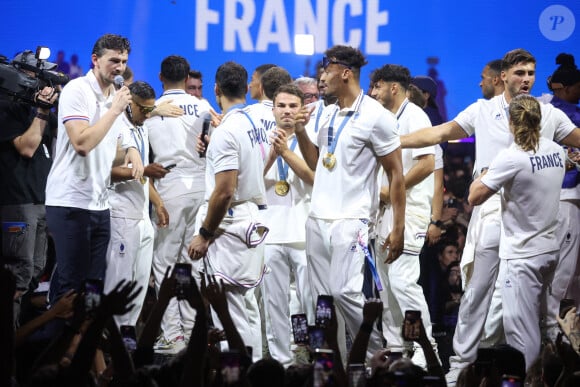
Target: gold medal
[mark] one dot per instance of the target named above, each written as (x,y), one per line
(281,188)
(143,180)
(329,161)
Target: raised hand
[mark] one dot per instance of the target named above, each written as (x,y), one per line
(118,301)
(214,293)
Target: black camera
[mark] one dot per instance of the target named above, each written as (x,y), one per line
(27,74)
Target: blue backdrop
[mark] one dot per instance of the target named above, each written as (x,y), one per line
(459,36)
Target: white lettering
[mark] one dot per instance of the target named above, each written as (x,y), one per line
(306,21)
(203,17)
(238,26)
(339,22)
(374,20)
(343,24)
(273,27)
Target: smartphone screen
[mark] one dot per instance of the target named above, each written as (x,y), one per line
(511,381)
(230,367)
(565,305)
(129,337)
(411,325)
(315,337)
(394,356)
(93,293)
(323,310)
(323,368)
(357,375)
(182,274)
(300,328)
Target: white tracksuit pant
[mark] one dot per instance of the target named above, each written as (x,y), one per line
(524,292)
(336,264)
(129,257)
(484,232)
(401,292)
(170,247)
(283,260)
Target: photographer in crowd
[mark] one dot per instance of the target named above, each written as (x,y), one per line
(27,130)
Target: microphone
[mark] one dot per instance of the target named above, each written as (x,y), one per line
(119,82)
(205,131)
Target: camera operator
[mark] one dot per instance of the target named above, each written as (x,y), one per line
(26,134)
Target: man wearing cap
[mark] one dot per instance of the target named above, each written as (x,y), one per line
(429,88)
(489,121)
(25,143)
(77,206)
(565,84)
(353,142)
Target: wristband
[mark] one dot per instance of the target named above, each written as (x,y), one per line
(437,223)
(206,234)
(42,116)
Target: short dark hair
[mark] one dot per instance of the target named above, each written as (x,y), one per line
(349,55)
(195,74)
(261,69)
(567,73)
(392,73)
(175,68)
(232,80)
(273,78)
(513,57)
(289,88)
(111,42)
(495,66)
(142,90)
(444,243)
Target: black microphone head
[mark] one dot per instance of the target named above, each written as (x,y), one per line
(119,81)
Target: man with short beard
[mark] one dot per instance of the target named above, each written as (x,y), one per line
(488,119)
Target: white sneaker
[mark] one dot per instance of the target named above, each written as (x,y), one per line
(169,347)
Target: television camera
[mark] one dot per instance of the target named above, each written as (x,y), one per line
(27,74)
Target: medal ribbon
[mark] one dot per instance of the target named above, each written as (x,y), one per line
(318,115)
(333,140)
(282,166)
(142,148)
(371,262)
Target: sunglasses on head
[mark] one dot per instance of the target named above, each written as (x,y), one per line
(327,62)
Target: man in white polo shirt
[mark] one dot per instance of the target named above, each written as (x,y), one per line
(356,139)
(401,290)
(77,206)
(488,119)
(230,237)
(130,250)
(288,188)
(172,141)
